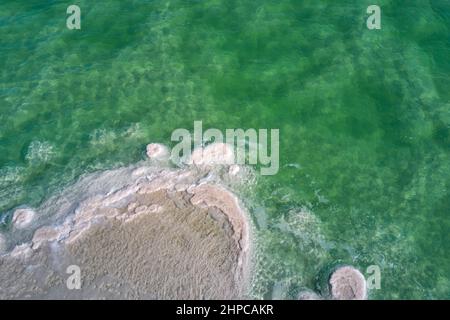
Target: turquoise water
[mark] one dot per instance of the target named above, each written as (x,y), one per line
(364,119)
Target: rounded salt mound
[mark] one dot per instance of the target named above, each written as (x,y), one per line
(157,151)
(22,218)
(348,283)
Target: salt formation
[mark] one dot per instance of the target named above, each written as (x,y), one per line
(348,283)
(136,233)
(157,151)
(234,170)
(213,154)
(22,218)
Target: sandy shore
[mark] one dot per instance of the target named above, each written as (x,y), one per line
(142,232)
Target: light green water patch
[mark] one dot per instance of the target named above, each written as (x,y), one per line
(364,119)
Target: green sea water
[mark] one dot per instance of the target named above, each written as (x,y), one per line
(364,119)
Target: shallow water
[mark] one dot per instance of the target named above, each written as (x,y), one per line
(364,119)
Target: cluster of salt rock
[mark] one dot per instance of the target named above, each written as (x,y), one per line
(165,234)
(215,154)
(345,283)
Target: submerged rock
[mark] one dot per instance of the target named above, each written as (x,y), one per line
(163,234)
(348,283)
(22,218)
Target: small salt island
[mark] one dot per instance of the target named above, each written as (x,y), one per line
(348,283)
(344,283)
